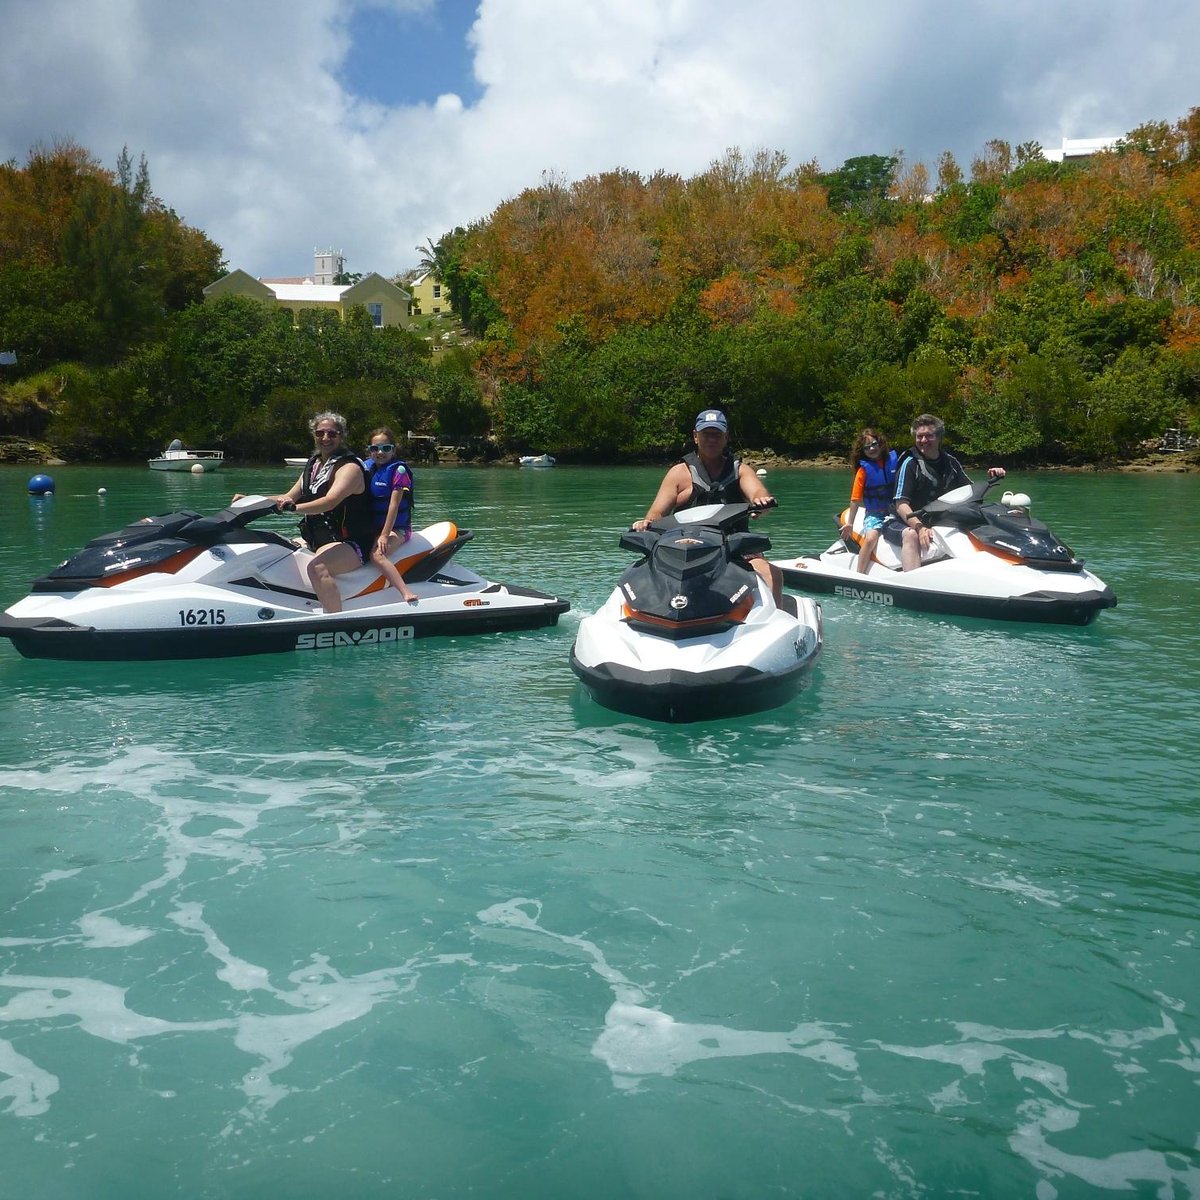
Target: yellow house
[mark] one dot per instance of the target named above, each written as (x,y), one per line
(384,301)
(429,295)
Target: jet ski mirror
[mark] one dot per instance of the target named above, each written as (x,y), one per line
(639,541)
(748,543)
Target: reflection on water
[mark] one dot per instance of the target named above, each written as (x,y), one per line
(424,920)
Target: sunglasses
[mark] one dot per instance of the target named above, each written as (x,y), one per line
(323,434)
(871,445)
(381,447)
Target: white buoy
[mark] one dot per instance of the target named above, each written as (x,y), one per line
(761,472)
(197,468)
(102,491)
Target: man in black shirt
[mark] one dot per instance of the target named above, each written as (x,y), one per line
(925,473)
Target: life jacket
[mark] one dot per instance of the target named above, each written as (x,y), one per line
(380,482)
(932,478)
(723,490)
(350,521)
(880,483)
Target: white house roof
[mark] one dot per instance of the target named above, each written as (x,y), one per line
(1081,148)
(325,293)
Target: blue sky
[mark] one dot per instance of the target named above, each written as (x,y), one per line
(283,126)
(411,57)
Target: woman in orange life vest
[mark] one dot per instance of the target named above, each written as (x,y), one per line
(874,483)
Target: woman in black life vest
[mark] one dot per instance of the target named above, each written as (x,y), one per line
(331,497)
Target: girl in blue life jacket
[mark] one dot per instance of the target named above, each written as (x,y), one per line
(874,483)
(390,487)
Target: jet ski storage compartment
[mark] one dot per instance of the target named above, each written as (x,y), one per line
(665,593)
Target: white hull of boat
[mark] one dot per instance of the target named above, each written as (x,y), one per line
(188,460)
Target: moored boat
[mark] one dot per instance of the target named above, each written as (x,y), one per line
(176,458)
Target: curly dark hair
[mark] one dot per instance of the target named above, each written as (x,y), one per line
(857,451)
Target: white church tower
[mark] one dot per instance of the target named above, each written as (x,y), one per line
(327,265)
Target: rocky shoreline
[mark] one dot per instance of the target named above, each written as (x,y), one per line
(18,451)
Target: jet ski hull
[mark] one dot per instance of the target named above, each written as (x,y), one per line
(683,696)
(946,587)
(506,609)
(186,587)
(750,668)
(994,561)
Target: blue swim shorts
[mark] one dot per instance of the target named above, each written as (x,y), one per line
(874,521)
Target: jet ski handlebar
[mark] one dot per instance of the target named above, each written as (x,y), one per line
(723,519)
(715,516)
(958,501)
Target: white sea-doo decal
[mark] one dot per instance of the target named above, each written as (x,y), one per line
(853,593)
(354,637)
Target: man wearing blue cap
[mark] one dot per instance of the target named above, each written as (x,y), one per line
(711,475)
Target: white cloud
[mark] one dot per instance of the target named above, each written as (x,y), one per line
(250,137)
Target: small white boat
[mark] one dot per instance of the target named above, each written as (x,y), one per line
(537,460)
(296,463)
(176,458)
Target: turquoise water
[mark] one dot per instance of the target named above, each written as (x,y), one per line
(421,920)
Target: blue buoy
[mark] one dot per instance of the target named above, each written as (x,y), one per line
(41,485)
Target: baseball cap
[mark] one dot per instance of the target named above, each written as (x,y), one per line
(712,418)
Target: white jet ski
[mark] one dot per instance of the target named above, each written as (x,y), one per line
(189,586)
(986,560)
(690,631)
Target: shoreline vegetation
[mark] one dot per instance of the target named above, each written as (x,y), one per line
(1048,312)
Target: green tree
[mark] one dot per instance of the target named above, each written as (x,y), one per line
(103,248)
(861,184)
(459,410)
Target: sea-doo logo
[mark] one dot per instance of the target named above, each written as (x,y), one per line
(688,541)
(354,637)
(739,593)
(853,593)
(629,591)
(266,614)
(1009,546)
(678,602)
(217,553)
